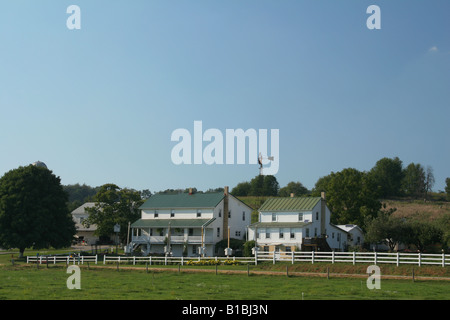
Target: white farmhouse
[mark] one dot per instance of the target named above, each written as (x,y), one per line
(85,233)
(296,223)
(355,236)
(189,224)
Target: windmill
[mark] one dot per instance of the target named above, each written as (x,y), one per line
(260,161)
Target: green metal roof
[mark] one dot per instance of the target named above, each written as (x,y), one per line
(290,204)
(174,223)
(183,200)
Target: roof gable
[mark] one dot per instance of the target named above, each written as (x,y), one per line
(183,200)
(290,204)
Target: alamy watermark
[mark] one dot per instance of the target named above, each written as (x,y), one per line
(74,281)
(190,148)
(374,279)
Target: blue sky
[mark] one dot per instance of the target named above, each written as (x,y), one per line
(98,105)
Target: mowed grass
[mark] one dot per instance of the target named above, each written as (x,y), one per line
(30,283)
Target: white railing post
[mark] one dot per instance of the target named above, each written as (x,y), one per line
(273,256)
(443,259)
(354,257)
(182,260)
(104,259)
(375,257)
(312,257)
(96,259)
(420,258)
(256,257)
(134,260)
(293,257)
(332,257)
(398,258)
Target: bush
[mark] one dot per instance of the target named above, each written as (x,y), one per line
(211,262)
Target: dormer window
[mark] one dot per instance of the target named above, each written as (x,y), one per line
(172,213)
(199,213)
(156,214)
(300,216)
(274,217)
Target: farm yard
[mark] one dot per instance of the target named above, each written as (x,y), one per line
(266,281)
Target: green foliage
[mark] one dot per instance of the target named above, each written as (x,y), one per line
(350,196)
(387,175)
(242,189)
(248,246)
(293,187)
(385,228)
(414,180)
(33,210)
(447,188)
(114,206)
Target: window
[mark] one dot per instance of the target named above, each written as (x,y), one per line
(307,233)
(315,232)
(191,231)
(218,232)
(267,234)
(300,216)
(220,213)
(172,213)
(292,234)
(243,215)
(288,249)
(237,233)
(156,214)
(281,234)
(229,214)
(274,217)
(317,216)
(332,235)
(199,213)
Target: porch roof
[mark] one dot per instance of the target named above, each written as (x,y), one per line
(174,223)
(279,225)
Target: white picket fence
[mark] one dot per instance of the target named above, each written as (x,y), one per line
(355,257)
(293,257)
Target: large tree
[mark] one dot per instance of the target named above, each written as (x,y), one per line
(296,188)
(114,205)
(414,181)
(385,228)
(350,196)
(387,175)
(33,210)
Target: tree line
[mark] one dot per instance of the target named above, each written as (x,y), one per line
(35,208)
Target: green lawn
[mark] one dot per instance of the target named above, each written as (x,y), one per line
(30,283)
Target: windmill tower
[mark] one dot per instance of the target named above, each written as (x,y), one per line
(260,161)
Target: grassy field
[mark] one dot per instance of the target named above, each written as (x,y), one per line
(26,282)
